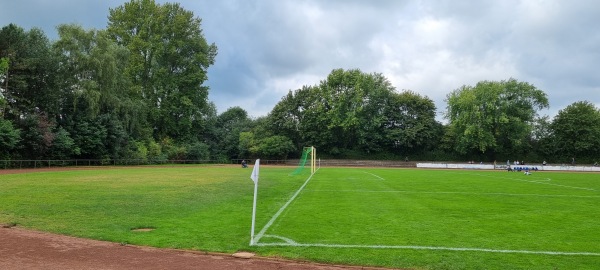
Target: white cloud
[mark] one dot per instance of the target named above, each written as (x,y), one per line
(269,47)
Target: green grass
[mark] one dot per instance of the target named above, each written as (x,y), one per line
(348,212)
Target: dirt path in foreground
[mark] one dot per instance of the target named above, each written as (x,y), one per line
(32,250)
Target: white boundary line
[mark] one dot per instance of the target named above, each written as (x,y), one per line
(457,192)
(291,243)
(543,182)
(264,229)
(376,176)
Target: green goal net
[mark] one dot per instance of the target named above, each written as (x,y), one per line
(306,153)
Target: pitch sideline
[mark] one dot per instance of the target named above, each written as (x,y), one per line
(291,243)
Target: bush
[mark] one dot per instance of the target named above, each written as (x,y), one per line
(198,151)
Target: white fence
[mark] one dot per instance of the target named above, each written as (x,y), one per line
(504,167)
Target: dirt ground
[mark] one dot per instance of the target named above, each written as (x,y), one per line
(26,249)
(32,250)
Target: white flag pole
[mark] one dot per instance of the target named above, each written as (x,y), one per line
(254,178)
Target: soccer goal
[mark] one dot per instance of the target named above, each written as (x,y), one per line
(306,152)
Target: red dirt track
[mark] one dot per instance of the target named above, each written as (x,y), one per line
(25,249)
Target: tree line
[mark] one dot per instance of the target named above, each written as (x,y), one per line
(135,90)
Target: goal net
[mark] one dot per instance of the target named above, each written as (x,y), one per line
(309,154)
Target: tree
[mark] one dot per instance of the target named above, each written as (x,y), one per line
(355,113)
(37,136)
(63,146)
(352,105)
(276,147)
(9,138)
(226,132)
(90,136)
(29,81)
(288,114)
(169,61)
(3,66)
(3,71)
(344,112)
(95,89)
(91,73)
(494,118)
(410,124)
(576,131)
(247,144)
(542,140)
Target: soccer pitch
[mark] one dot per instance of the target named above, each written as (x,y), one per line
(496,212)
(403,218)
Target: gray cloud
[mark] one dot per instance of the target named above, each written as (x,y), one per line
(269,47)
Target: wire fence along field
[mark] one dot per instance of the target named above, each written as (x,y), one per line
(480,211)
(57,163)
(54,163)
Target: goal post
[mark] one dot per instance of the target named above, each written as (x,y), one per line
(313,160)
(309,151)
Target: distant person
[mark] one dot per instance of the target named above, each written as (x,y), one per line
(244,164)
(573,162)
(544,163)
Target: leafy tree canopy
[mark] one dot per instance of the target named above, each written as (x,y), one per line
(169,58)
(494,117)
(577,131)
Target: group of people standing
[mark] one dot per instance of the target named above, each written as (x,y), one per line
(516,162)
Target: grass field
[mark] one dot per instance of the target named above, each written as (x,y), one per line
(405,218)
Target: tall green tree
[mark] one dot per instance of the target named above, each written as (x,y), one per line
(168,62)
(494,118)
(296,117)
(354,112)
(542,141)
(276,147)
(410,124)
(351,105)
(3,71)
(91,72)
(3,66)
(29,81)
(226,132)
(96,90)
(37,136)
(576,131)
(9,138)
(28,88)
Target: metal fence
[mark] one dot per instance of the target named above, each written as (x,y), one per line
(28,164)
(49,163)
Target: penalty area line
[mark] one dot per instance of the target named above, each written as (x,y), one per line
(376,176)
(560,253)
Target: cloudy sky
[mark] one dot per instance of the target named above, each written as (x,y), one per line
(268,47)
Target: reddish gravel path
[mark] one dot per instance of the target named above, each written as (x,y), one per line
(25,249)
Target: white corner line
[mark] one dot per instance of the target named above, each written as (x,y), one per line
(561,253)
(266,227)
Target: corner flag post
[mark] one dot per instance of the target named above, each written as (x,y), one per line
(254,177)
